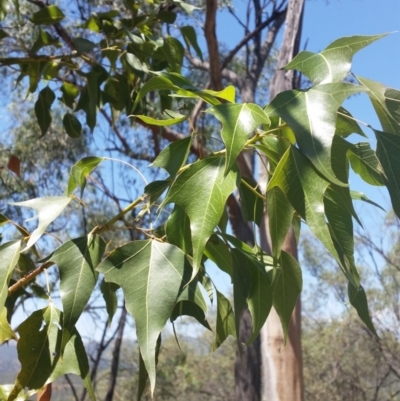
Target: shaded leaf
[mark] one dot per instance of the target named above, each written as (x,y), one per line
(252,204)
(174,156)
(190,37)
(188,308)
(42,108)
(47,209)
(238,124)
(178,230)
(346,124)
(44,39)
(388,151)
(83,45)
(49,15)
(72,125)
(79,172)
(312,117)
(358,299)
(152,275)
(109,292)
(39,351)
(219,252)
(155,189)
(334,62)
(288,288)
(202,190)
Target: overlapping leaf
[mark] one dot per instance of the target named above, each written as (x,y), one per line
(334,62)
(9,255)
(39,351)
(238,124)
(6,332)
(79,172)
(47,209)
(357,195)
(109,292)
(152,276)
(76,261)
(178,230)
(202,190)
(312,117)
(251,201)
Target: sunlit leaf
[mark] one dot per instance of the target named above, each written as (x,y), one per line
(202,190)
(47,209)
(49,15)
(79,172)
(169,117)
(312,116)
(238,124)
(356,195)
(152,276)
(6,332)
(334,62)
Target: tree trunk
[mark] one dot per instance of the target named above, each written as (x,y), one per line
(282,370)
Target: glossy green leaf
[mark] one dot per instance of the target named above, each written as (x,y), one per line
(39,351)
(218,251)
(168,117)
(252,204)
(202,190)
(238,124)
(9,254)
(305,190)
(109,292)
(225,321)
(358,299)
(388,151)
(365,163)
(386,102)
(49,15)
(356,195)
(47,209)
(346,124)
(288,288)
(312,117)
(76,260)
(43,108)
(137,65)
(6,332)
(79,172)
(334,62)
(190,37)
(72,125)
(273,147)
(174,156)
(178,230)
(280,213)
(152,276)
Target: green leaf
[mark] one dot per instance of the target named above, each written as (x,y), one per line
(155,189)
(178,230)
(189,8)
(6,332)
(44,39)
(358,299)
(225,321)
(386,102)
(169,117)
(273,147)
(79,172)
(9,254)
(174,156)
(388,151)
(219,252)
(173,53)
(83,45)
(346,124)
(42,108)
(3,219)
(356,195)
(109,292)
(252,204)
(280,213)
(238,124)
(312,117)
(39,351)
(188,308)
(137,65)
(72,125)
(202,190)
(152,276)
(47,16)
(76,260)
(305,189)
(70,92)
(47,209)
(332,64)
(365,163)
(288,288)
(190,37)
(3,34)
(4,8)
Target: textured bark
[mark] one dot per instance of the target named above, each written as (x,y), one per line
(282,377)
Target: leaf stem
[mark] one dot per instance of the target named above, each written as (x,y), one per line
(253,190)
